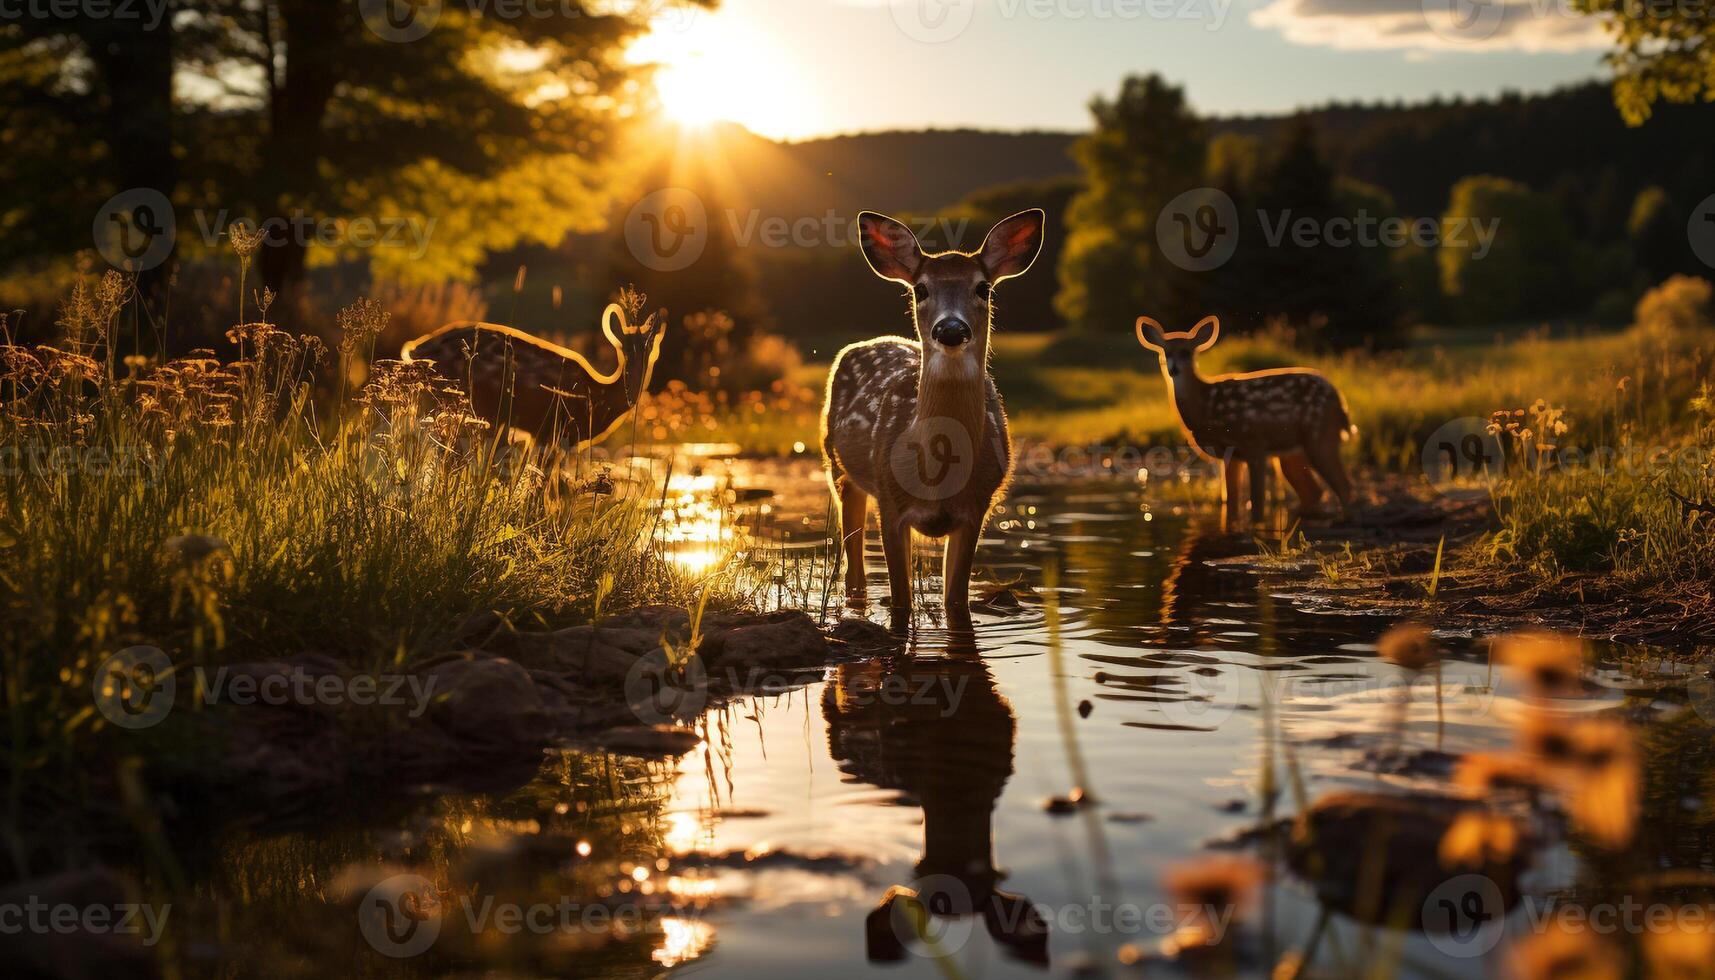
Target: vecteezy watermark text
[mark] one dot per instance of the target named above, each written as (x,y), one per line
(1199,230)
(136,229)
(36,916)
(138,686)
(150,12)
(669,229)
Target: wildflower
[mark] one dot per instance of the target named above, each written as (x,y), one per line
(1680,954)
(1562,951)
(246,241)
(1478,838)
(1408,645)
(1553,665)
(1603,802)
(359,324)
(1213,892)
(1592,763)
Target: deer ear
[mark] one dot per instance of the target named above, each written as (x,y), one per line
(1013,244)
(1206,332)
(890,247)
(1149,333)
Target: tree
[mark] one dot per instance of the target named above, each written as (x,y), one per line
(1146,149)
(1025,303)
(1666,52)
(1656,230)
(492,122)
(1336,284)
(1532,267)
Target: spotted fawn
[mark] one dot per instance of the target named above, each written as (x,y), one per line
(1242,421)
(548,391)
(918,424)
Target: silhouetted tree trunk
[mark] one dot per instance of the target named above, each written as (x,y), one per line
(297,109)
(135,62)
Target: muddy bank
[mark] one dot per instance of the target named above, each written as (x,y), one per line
(490,709)
(1391,570)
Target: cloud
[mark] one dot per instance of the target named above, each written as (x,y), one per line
(1425,26)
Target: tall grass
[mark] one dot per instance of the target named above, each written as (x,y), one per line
(213,508)
(1624,487)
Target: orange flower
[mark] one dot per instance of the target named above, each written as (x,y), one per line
(1562,952)
(1215,891)
(1552,664)
(1478,838)
(1410,646)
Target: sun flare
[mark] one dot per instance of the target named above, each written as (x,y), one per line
(690,94)
(712,72)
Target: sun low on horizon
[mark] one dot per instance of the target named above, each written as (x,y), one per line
(709,70)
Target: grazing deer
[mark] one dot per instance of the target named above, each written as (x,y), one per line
(521,380)
(918,424)
(1243,420)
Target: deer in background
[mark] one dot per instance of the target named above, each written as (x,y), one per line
(518,379)
(1242,421)
(918,424)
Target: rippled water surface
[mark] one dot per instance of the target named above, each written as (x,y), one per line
(1188,700)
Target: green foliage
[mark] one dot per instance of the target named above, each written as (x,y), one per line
(1534,268)
(1630,510)
(1146,148)
(209,509)
(1334,289)
(317,116)
(1666,53)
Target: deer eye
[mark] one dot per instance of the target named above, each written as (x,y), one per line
(920,293)
(983,290)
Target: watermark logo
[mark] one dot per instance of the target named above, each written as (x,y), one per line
(1464,916)
(1461,457)
(135,687)
(400,21)
(135,229)
(1199,230)
(668,230)
(934,459)
(401,916)
(1701,231)
(661,689)
(933,21)
(1464,21)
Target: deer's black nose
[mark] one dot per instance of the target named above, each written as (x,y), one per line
(951,332)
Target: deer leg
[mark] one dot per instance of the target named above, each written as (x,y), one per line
(956,566)
(1324,455)
(896,545)
(1231,469)
(1296,471)
(854,513)
(1258,471)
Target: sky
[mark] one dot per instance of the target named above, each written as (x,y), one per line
(796,69)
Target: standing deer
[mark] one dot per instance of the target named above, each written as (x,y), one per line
(918,424)
(1243,420)
(518,379)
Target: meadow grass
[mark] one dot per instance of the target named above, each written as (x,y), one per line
(223,511)
(1633,404)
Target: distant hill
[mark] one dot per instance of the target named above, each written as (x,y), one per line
(904,173)
(1570,142)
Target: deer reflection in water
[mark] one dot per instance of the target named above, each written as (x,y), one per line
(933,725)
